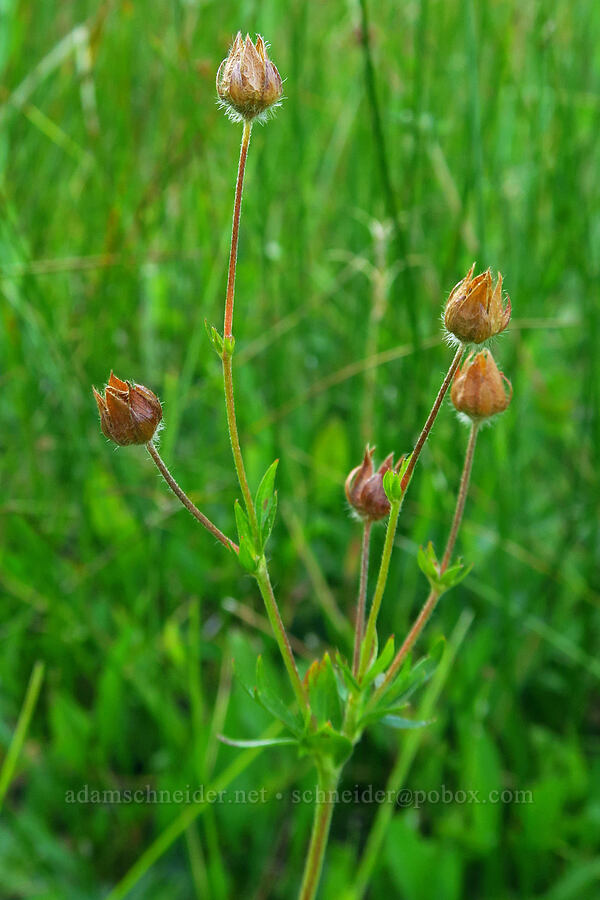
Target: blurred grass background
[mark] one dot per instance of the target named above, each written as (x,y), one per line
(116,189)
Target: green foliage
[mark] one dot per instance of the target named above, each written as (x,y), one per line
(440,582)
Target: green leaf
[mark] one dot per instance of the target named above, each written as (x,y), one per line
(380,664)
(266,503)
(246,558)
(242,522)
(267,695)
(403,724)
(428,564)
(455,574)
(349,679)
(214,337)
(328,742)
(323,692)
(261,742)
(440,581)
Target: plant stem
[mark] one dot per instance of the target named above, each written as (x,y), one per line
(235,445)
(191,507)
(324,805)
(228,333)
(235,231)
(431,417)
(434,596)
(266,590)
(384,566)
(261,574)
(362,595)
(462,496)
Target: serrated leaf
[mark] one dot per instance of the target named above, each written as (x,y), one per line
(266,503)
(260,742)
(267,695)
(382,662)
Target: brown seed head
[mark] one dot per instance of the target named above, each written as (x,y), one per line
(129,413)
(474,311)
(364,488)
(248,84)
(479,389)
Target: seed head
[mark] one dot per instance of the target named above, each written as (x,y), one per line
(479,389)
(474,311)
(248,84)
(129,413)
(364,487)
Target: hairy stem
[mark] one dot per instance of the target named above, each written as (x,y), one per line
(434,596)
(324,805)
(236,449)
(266,590)
(462,497)
(228,333)
(235,230)
(362,595)
(367,644)
(191,507)
(431,418)
(261,574)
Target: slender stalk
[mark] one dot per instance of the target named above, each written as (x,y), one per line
(261,574)
(235,230)
(266,590)
(191,507)
(384,566)
(362,595)
(324,806)
(434,596)
(462,496)
(235,445)
(228,333)
(431,417)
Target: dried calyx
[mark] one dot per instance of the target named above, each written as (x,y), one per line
(248,84)
(475,311)
(129,413)
(479,389)
(364,487)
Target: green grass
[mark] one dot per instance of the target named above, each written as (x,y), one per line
(116,190)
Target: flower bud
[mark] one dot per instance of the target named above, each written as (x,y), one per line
(129,413)
(248,84)
(364,488)
(479,389)
(474,311)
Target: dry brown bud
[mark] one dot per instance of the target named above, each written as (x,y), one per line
(479,389)
(474,311)
(129,413)
(364,487)
(248,84)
